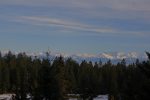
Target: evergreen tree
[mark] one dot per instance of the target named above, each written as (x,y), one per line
(58,69)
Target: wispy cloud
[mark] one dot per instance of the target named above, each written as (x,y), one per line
(97,10)
(68,26)
(60,23)
(113,19)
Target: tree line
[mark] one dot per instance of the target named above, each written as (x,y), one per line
(43,79)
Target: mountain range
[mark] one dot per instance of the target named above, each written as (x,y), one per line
(115,57)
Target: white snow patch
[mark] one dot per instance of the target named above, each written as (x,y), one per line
(101,97)
(6,96)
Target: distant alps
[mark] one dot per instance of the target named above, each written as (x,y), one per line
(115,57)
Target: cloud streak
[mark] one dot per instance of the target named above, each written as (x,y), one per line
(64,24)
(99,10)
(74,26)
(91,25)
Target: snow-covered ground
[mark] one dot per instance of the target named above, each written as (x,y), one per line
(9,97)
(6,96)
(73,99)
(101,97)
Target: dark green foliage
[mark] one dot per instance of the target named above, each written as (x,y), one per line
(53,80)
(145,71)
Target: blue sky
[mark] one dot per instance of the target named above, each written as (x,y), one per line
(75,26)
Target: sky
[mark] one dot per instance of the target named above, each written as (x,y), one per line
(75,26)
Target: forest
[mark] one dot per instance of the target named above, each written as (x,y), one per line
(47,79)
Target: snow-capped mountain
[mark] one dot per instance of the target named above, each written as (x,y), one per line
(104,57)
(122,55)
(114,57)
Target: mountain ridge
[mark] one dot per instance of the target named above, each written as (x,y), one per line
(104,57)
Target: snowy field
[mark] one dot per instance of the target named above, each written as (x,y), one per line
(101,97)
(9,97)
(6,96)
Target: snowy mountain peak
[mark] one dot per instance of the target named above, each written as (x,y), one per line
(106,55)
(113,56)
